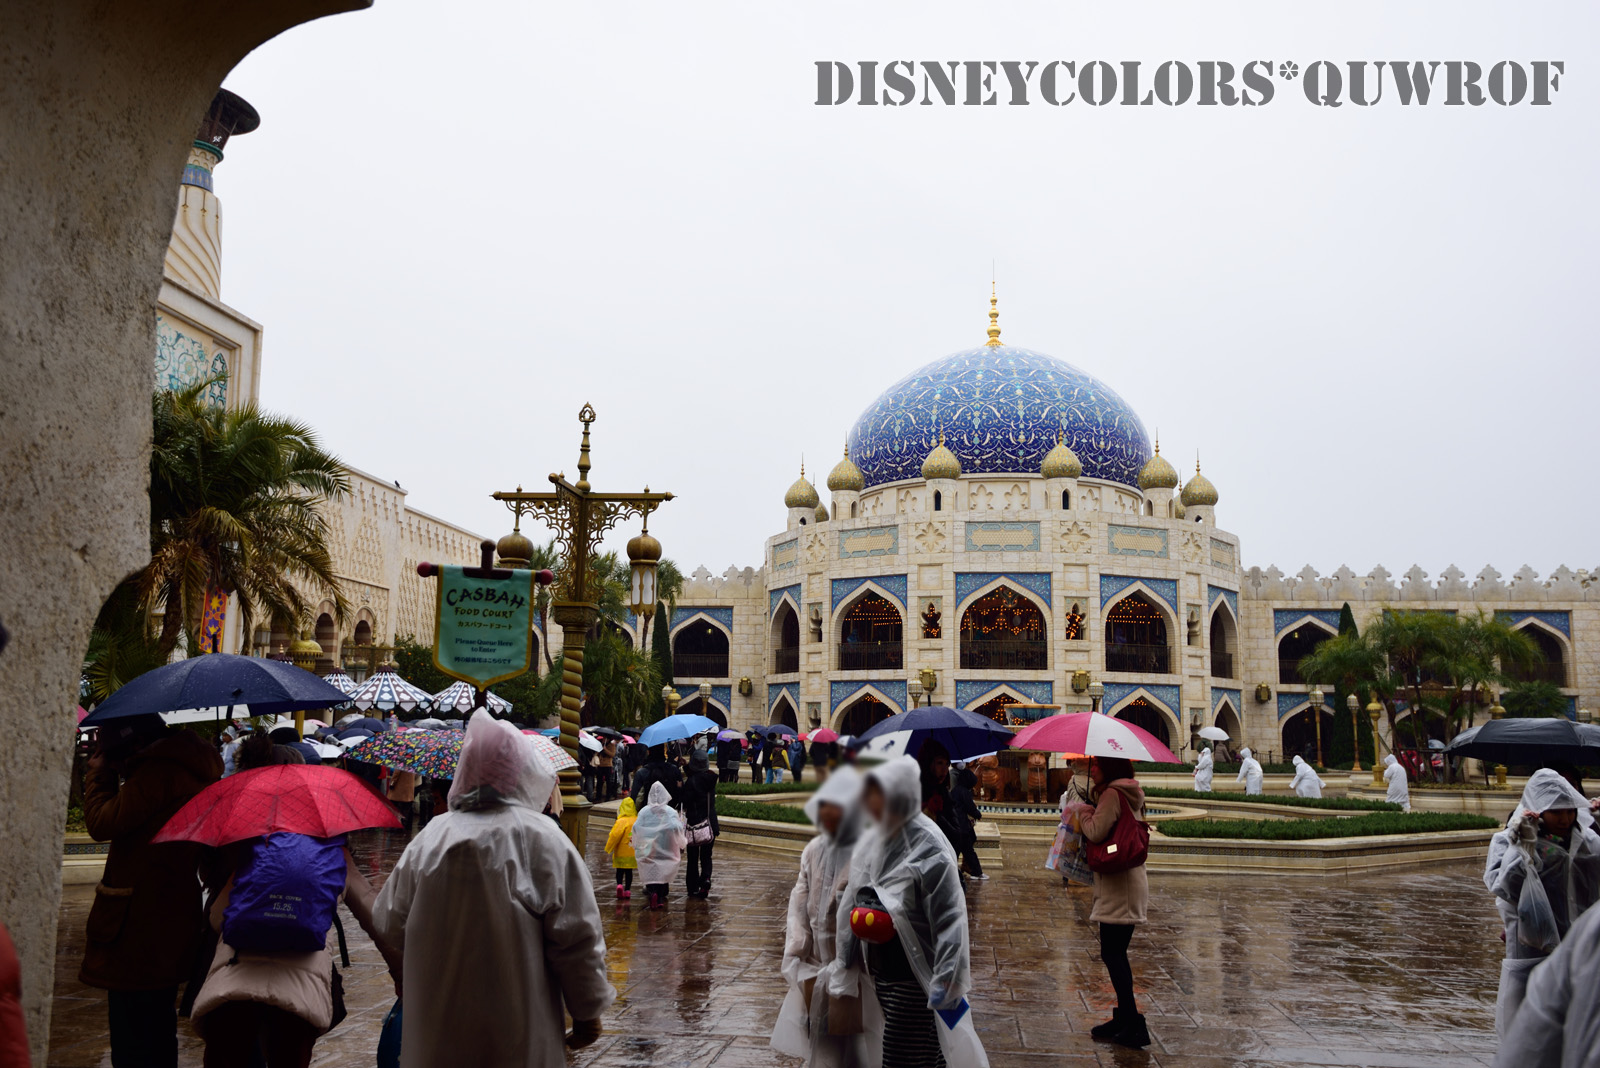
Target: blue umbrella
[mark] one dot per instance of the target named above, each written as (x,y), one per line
(780,728)
(675,728)
(964,735)
(269,687)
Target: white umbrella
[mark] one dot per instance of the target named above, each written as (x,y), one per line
(589,741)
(327,752)
(1213,734)
(340,681)
(429,724)
(461,698)
(387,691)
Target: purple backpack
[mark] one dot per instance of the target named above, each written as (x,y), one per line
(284,894)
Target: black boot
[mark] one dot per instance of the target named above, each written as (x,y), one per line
(1133,1032)
(1105,1031)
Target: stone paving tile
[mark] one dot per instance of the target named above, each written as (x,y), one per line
(1387,971)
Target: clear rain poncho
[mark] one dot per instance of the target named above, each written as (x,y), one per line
(908,863)
(1558,1023)
(494,912)
(1249,772)
(1539,912)
(1399,785)
(1203,771)
(658,837)
(811,933)
(1306,782)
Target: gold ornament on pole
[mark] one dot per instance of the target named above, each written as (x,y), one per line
(1316,719)
(1497,711)
(305,652)
(579,518)
(1374,710)
(1353,703)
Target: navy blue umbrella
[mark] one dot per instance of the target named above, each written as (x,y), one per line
(964,735)
(269,687)
(367,723)
(780,728)
(354,732)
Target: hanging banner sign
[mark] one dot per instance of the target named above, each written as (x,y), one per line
(484,631)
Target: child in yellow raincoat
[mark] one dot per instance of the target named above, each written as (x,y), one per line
(619,846)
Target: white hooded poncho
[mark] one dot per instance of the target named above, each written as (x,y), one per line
(908,862)
(494,911)
(1570,880)
(1249,772)
(1203,771)
(811,934)
(1399,785)
(1558,1023)
(1306,782)
(658,837)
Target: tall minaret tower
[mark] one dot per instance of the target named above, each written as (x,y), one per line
(194,257)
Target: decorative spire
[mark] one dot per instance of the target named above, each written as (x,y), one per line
(994,319)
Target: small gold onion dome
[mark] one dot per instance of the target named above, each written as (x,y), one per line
(644,548)
(1061,462)
(941,462)
(304,645)
(802,494)
(515,549)
(846,476)
(1199,490)
(1157,473)
(1178,509)
(822,513)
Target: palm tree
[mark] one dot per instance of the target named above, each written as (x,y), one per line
(619,680)
(235,504)
(545,558)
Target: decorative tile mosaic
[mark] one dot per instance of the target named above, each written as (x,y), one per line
(181,361)
(1233,697)
(194,174)
(685,614)
(1214,593)
(775,692)
(970,582)
(774,596)
(720,695)
(871,541)
(840,691)
(1136,541)
(786,554)
(1112,585)
(1002,537)
(1167,696)
(1284,618)
(1290,703)
(1000,409)
(1222,554)
(893,585)
(970,692)
(1561,621)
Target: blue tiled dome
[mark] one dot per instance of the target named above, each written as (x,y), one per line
(1000,408)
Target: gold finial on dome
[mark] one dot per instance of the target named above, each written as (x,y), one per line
(802,494)
(1061,461)
(994,319)
(1157,473)
(941,462)
(1198,491)
(846,476)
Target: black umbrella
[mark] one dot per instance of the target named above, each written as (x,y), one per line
(1530,741)
(367,723)
(607,732)
(269,687)
(780,728)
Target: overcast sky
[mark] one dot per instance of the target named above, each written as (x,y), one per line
(458,223)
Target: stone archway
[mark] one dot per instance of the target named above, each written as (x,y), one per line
(1137,636)
(1143,713)
(1004,630)
(1299,734)
(783,711)
(871,632)
(785,640)
(695,707)
(700,650)
(862,713)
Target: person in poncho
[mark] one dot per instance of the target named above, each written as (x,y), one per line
(1249,772)
(1306,782)
(619,847)
(494,912)
(1203,770)
(1544,870)
(806,1028)
(903,878)
(658,839)
(1399,786)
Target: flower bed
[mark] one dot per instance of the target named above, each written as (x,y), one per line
(755,810)
(745,789)
(1377,823)
(1338,804)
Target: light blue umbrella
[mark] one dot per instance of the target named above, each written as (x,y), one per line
(676,728)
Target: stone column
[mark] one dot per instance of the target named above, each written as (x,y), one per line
(575,619)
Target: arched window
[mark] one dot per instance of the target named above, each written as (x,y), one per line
(1149,507)
(1294,647)
(1228,719)
(1066,500)
(852,509)
(783,712)
(696,707)
(363,634)
(1551,667)
(785,640)
(870,636)
(1300,734)
(1003,630)
(1136,637)
(802,521)
(325,634)
(1222,645)
(995,707)
(862,714)
(1143,714)
(938,500)
(700,651)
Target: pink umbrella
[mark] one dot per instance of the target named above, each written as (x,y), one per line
(81,713)
(824,735)
(1094,734)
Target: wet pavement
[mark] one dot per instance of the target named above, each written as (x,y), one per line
(1386,970)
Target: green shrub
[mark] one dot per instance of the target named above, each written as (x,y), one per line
(1341,804)
(1334,827)
(745,789)
(755,810)
(75,824)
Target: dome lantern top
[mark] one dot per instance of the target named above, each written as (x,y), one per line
(941,462)
(802,494)
(1061,461)
(1157,473)
(1199,491)
(846,476)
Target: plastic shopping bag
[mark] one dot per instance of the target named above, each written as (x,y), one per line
(1536,921)
(1066,857)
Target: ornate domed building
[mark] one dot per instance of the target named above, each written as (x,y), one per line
(1003,536)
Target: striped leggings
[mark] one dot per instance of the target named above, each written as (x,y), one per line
(910,1039)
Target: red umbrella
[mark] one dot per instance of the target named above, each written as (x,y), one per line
(301,798)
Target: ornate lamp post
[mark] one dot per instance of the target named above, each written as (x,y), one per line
(1353,703)
(914,688)
(1374,710)
(1097,690)
(1316,718)
(705,699)
(579,517)
(670,696)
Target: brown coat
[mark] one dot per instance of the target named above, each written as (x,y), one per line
(1121,897)
(144,927)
